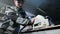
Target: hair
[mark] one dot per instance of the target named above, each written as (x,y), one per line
(21,0)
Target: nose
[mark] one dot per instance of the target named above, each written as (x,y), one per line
(20,4)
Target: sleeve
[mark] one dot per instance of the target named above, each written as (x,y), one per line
(6,22)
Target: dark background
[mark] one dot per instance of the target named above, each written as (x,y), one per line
(53,10)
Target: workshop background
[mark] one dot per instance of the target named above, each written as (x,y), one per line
(51,7)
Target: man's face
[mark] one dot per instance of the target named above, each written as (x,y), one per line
(18,4)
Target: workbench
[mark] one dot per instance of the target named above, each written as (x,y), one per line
(50,29)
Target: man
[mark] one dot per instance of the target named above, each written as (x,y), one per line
(15,12)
